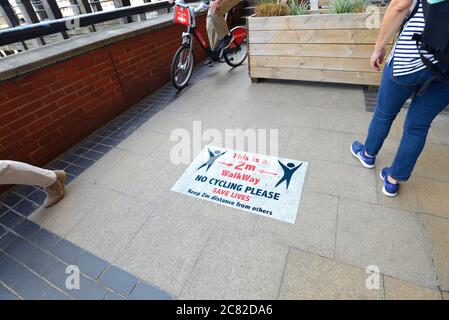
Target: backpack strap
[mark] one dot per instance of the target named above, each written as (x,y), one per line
(437,73)
(410,15)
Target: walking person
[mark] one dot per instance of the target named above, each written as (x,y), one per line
(53,182)
(418,66)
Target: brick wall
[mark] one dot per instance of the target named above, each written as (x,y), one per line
(44,113)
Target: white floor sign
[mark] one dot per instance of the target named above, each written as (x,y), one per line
(264,185)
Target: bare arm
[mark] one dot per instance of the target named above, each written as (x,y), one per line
(393,18)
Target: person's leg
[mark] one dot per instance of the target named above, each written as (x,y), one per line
(14,172)
(390,99)
(216,25)
(419,117)
(211,33)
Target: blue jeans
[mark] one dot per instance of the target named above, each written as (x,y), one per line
(393,93)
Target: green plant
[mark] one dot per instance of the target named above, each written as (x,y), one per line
(270,8)
(299,8)
(348,6)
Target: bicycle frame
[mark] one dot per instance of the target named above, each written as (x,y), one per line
(180,17)
(186,15)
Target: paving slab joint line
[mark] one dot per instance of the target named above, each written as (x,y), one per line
(53,256)
(63,262)
(384,293)
(11,290)
(283,273)
(336,229)
(429,252)
(193,267)
(51,285)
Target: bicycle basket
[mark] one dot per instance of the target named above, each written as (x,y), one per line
(181,16)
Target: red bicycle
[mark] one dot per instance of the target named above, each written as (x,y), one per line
(184,59)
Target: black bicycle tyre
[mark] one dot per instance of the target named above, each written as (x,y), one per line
(174,68)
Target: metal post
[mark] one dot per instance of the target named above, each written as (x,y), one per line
(123,3)
(96,5)
(85,7)
(53,11)
(11,19)
(40,9)
(30,15)
(143,16)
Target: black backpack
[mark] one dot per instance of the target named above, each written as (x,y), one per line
(434,39)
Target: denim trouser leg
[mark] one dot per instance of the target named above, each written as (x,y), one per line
(390,99)
(419,117)
(394,91)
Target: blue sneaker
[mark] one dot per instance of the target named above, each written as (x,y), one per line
(358,151)
(389,189)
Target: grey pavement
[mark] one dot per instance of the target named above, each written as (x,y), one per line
(121,209)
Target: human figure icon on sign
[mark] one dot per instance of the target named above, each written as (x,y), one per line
(289,170)
(212,157)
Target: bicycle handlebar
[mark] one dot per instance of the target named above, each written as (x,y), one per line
(203,5)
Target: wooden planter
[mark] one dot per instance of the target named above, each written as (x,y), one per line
(313,47)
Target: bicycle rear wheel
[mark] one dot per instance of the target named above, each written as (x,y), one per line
(182,67)
(236,54)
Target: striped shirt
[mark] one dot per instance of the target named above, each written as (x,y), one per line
(405,52)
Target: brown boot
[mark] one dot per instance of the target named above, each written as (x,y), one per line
(56,191)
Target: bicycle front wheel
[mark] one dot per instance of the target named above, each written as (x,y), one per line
(182,67)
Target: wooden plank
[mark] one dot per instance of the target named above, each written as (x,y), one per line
(358,36)
(314,21)
(364,78)
(312,50)
(341,64)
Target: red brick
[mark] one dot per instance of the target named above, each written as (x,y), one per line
(64,102)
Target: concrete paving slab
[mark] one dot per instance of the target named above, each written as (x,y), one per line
(82,196)
(297,115)
(315,227)
(440,127)
(396,289)
(236,266)
(309,144)
(166,122)
(437,230)
(165,250)
(309,276)
(223,218)
(345,121)
(110,226)
(270,137)
(156,188)
(407,198)
(144,141)
(433,163)
(391,239)
(194,250)
(106,164)
(341,180)
(433,196)
(131,174)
